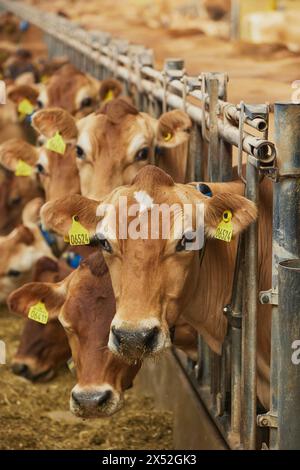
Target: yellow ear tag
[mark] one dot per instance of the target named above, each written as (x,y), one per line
(23,169)
(224,229)
(78,235)
(109,96)
(39,313)
(167,137)
(25,107)
(44,79)
(56,144)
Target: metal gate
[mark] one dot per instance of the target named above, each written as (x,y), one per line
(226,383)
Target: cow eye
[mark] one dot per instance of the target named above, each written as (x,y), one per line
(185,240)
(80,152)
(39,168)
(142,154)
(86,102)
(15,200)
(39,104)
(13,273)
(105,245)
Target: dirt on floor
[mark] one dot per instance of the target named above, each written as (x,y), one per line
(37,416)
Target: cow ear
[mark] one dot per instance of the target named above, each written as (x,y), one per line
(173,128)
(58,215)
(31,212)
(21,92)
(14,150)
(242,211)
(51,120)
(110,89)
(52,295)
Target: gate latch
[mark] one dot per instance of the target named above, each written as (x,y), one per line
(267,420)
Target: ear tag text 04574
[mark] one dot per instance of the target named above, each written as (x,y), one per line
(78,235)
(39,313)
(25,107)
(225,230)
(23,169)
(56,144)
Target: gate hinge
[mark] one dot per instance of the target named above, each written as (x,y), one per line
(267,420)
(234,319)
(268,297)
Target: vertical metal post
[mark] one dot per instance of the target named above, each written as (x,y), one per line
(286,239)
(289,367)
(213,152)
(225,149)
(249,320)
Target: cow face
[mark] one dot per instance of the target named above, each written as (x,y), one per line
(84,303)
(43,348)
(19,252)
(16,191)
(153,277)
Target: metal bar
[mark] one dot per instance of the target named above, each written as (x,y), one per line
(249,320)
(225,147)
(213,151)
(286,241)
(289,370)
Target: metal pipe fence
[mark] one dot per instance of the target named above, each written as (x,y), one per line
(226,384)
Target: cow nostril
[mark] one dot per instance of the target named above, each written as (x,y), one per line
(150,337)
(117,335)
(104,397)
(20,369)
(76,398)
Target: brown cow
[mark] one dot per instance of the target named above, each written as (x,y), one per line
(85,305)
(20,250)
(157,280)
(43,348)
(16,191)
(113,144)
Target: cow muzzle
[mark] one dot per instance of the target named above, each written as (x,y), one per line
(25,370)
(94,402)
(136,344)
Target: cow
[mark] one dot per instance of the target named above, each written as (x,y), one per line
(16,191)
(74,91)
(158,280)
(114,143)
(20,250)
(85,305)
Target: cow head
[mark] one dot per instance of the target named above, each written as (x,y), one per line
(20,250)
(85,305)
(154,277)
(16,191)
(43,348)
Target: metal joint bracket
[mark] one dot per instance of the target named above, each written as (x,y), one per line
(268,297)
(267,420)
(234,319)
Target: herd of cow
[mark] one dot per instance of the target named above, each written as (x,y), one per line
(114,302)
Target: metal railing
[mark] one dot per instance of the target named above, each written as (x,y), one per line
(226,384)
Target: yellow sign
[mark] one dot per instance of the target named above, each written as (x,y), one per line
(78,235)
(25,107)
(224,230)
(56,144)
(39,313)
(23,169)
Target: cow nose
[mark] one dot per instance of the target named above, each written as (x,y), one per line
(91,399)
(20,369)
(145,338)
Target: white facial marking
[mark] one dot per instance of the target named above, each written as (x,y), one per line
(144,200)
(136,144)
(84,142)
(43,159)
(43,97)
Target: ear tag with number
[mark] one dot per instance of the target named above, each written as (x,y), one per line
(56,144)
(78,235)
(39,313)
(25,107)
(225,230)
(23,169)
(167,137)
(109,96)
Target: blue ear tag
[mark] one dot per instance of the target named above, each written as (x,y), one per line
(50,238)
(24,26)
(73,259)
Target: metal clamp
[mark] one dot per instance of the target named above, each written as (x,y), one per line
(234,319)
(268,297)
(267,420)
